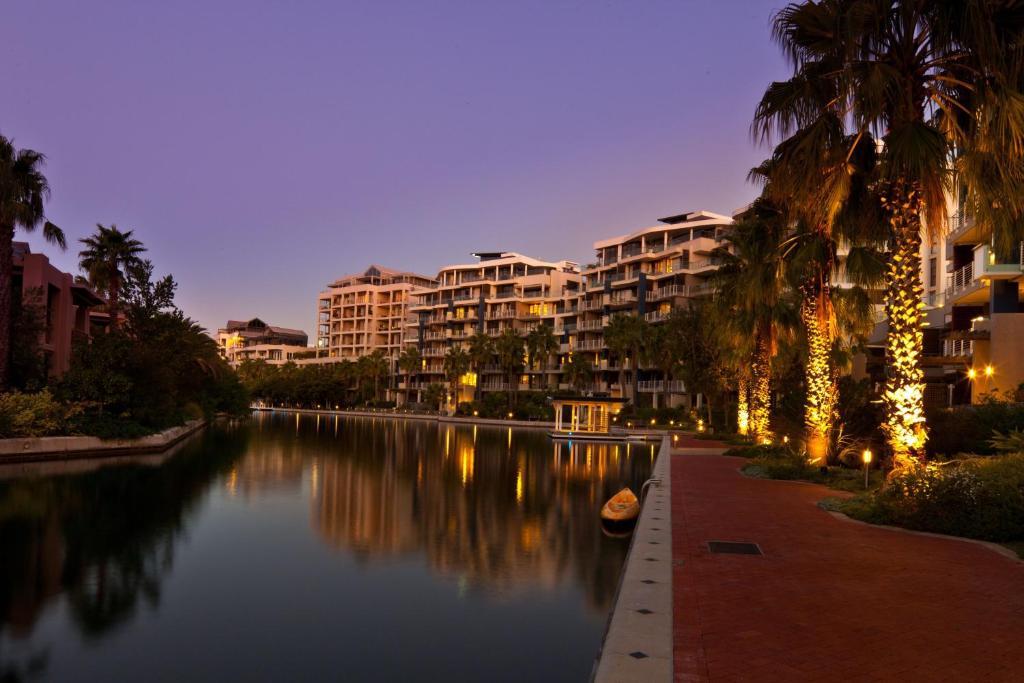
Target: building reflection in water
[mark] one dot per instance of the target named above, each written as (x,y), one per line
(499,510)
(495,510)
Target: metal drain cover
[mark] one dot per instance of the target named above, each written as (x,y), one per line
(734,548)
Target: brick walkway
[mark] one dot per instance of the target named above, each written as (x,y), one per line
(830,600)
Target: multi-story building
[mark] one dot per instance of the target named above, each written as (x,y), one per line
(256,340)
(977,288)
(645,273)
(360,314)
(501,291)
(62,305)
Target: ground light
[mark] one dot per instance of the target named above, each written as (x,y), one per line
(866,457)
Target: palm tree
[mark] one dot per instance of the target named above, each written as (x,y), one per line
(625,336)
(456,364)
(410,361)
(510,349)
(934,78)
(663,349)
(23,190)
(107,256)
(820,182)
(541,344)
(481,353)
(374,367)
(751,297)
(577,371)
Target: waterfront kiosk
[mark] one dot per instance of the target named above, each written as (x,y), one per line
(586,417)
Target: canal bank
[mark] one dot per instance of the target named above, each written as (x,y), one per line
(13,451)
(638,643)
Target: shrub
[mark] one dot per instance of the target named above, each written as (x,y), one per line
(32,415)
(783,463)
(977,498)
(969,429)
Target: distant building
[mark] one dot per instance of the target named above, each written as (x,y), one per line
(502,291)
(367,312)
(645,273)
(62,304)
(256,340)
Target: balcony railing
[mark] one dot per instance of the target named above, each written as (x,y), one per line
(675,386)
(962,279)
(958,348)
(590,345)
(655,316)
(590,325)
(593,305)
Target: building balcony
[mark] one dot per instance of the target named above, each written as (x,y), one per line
(655,316)
(958,348)
(591,305)
(622,298)
(590,345)
(675,386)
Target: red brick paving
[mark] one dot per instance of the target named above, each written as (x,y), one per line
(830,600)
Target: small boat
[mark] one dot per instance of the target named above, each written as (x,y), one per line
(622,508)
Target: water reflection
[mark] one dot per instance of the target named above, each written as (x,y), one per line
(499,513)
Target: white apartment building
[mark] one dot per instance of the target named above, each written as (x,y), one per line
(254,339)
(362,313)
(501,291)
(646,273)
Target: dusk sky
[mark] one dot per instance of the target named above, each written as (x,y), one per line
(262,149)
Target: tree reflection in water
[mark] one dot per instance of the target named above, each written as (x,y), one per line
(104,538)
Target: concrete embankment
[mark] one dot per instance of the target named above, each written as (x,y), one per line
(638,643)
(71,447)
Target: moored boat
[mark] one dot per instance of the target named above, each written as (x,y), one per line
(622,508)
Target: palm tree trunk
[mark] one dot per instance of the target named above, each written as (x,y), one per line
(903,397)
(743,405)
(819,409)
(6,301)
(113,303)
(760,393)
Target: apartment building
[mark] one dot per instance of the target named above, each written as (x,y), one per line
(362,313)
(501,291)
(64,306)
(646,273)
(256,340)
(973,292)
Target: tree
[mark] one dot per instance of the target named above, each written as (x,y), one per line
(663,349)
(819,180)
(434,394)
(577,371)
(456,364)
(753,306)
(703,366)
(107,256)
(410,361)
(23,190)
(510,351)
(481,354)
(373,367)
(939,80)
(541,345)
(625,336)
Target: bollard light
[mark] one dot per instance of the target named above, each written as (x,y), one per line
(866,457)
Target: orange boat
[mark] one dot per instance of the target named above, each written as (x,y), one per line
(621,508)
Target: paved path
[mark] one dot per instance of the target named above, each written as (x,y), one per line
(830,600)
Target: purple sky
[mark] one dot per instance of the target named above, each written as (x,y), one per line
(262,149)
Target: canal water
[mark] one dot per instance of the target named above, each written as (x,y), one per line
(288,548)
